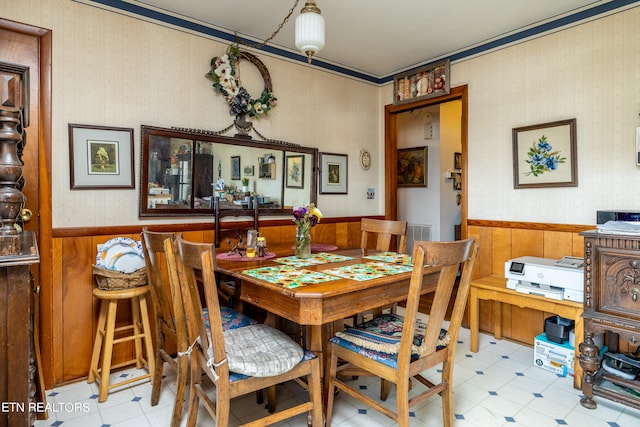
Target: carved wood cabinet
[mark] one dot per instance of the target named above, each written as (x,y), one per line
(17,353)
(612,305)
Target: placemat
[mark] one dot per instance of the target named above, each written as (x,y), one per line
(321,247)
(392,257)
(314,259)
(368,271)
(235,257)
(289,276)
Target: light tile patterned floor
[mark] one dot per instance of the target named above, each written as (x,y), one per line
(498,386)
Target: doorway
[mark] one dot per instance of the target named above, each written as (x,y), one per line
(391,146)
(30,46)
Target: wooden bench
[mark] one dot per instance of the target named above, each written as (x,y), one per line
(494,288)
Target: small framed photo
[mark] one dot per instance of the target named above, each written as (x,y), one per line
(295,172)
(412,167)
(545,155)
(457,161)
(457,180)
(333,173)
(235,167)
(100,157)
(421,83)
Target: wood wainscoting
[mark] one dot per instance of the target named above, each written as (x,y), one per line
(74,312)
(501,241)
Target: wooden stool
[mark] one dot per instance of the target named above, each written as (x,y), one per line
(107,329)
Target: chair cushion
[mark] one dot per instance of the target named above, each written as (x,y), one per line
(231,319)
(260,351)
(379,339)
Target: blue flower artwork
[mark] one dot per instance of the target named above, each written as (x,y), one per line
(542,158)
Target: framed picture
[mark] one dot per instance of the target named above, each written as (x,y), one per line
(457,161)
(249,170)
(100,157)
(412,167)
(421,83)
(545,155)
(333,173)
(457,180)
(295,172)
(235,167)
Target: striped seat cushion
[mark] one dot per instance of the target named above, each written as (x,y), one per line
(379,339)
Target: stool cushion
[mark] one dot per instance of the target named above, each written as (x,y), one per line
(260,351)
(380,339)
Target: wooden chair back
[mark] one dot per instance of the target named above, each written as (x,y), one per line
(208,355)
(447,257)
(171,332)
(232,229)
(383,231)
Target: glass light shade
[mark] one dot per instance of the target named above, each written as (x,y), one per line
(309,33)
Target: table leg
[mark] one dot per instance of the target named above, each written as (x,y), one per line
(474,319)
(497,320)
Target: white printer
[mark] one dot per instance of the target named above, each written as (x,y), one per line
(555,279)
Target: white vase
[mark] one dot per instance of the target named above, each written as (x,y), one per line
(245,188)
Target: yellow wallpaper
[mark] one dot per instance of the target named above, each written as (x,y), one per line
(110,69)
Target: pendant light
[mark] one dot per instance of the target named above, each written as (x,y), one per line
(310,29)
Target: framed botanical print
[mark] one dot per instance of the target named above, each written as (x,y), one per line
(295,172)
(333,173)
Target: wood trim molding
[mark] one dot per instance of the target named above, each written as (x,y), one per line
(184,227)
(541,226)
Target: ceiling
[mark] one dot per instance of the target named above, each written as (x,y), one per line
(378,38)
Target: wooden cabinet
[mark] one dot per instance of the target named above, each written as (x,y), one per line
(611,304)
(17,353)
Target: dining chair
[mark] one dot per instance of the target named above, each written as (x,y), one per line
(238,361)
(171,332)
(397,348)
(383,231)
(232,228)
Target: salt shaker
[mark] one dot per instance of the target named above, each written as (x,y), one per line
(262,246)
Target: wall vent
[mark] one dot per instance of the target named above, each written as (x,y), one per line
(417,232)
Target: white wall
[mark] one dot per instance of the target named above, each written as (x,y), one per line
(450,143)
(110,69)
(590,72)
(113,70)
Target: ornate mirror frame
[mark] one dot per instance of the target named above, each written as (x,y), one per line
(171,187)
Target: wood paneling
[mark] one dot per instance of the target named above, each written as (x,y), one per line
(74,311)
(501,241)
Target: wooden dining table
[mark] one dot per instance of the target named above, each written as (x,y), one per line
(318,305)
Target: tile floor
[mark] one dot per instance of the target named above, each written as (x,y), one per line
(498,386)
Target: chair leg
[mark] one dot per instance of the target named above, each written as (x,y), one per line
(97,345)
(196,380)
(329,387)
(151,363)
(402,402)
(447,394)
(181,388)
(156,380)
(315,394)
(135,314)
(107,350)
(385,388)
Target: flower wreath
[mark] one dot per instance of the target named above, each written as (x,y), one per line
(223,73)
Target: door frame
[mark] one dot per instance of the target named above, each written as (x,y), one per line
(391,153)
(44,287)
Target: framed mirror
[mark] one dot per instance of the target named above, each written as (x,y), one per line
(183,170)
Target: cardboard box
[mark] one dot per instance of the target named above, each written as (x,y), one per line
(552,356)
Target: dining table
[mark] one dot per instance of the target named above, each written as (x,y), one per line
(324,289)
